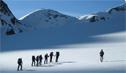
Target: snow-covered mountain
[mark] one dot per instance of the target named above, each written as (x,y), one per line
(48,28)
(102,16)
(8,23)
(43,18)
(46,18)
(120,8)
(95,17)
(92,24)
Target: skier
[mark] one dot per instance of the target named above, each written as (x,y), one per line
(101,55)
(19,64)
(57,56)
(37,60)
(33,60)
(46,59)
(51,56)
(40,60)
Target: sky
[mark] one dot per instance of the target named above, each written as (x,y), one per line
(69,7)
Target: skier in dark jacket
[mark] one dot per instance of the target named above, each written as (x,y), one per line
(40,60)
(37,60)
(33,60)
(57,56)
(19,64)
(51,56)
(101,55)
(46,59)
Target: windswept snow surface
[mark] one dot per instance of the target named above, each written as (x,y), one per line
(84,59)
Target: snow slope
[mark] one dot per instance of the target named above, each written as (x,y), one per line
(64,35)
(84,59)
(47,28)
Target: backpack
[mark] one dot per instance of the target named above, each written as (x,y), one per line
(20,60)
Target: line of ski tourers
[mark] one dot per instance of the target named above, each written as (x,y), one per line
(37,60)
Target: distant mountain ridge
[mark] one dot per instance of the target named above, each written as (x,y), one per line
(47,18)
(100,16)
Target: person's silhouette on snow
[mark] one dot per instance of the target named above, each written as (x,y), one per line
(46,59)
(19,64)
(57,56)
(37,60)
(33,60)
(51,56)
(40,60)
(101,55)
